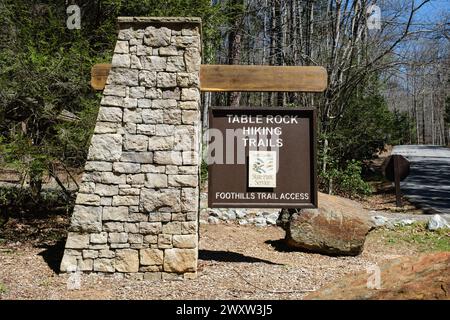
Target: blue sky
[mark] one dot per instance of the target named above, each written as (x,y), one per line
(434,10)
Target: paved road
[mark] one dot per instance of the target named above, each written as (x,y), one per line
(428,184)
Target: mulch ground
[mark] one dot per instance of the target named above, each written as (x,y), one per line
(235,262)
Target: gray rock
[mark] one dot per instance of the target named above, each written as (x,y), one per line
(240,213)
(272,218)
(437,222)
(213,220)
(229,215)
(215,213)
(260,222)
(243,222)
(404,222)
(160,143)
(379,221)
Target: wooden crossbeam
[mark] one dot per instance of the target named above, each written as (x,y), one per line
(262,78)
(244,78)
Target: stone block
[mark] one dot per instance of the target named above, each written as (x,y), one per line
(180,260)
(118,237)
(125,201)
(147,78)
(168,157)
(77,241)
(126,167)
(151,116)
(115,213)
(86,219)
(98,238)
(106,190)
(164,241)
(150,228)
(135,143)
(121,47)
(88,199)
(124,77)
(121,61)
(157,37)
(156,180)
(137,157)
(166,80)
(183,180)
(150,257)
(152,200)
(106,147)
(98,166)
(109,114)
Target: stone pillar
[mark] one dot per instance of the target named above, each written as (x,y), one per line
(137,207)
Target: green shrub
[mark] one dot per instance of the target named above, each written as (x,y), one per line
(203,172)
(347,182)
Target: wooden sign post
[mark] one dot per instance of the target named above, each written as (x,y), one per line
(396,169)
(250,184)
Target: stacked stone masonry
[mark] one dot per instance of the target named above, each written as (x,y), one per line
(137,207)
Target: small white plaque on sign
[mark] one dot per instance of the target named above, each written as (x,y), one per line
(262,167)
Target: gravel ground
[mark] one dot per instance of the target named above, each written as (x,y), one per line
(236,262)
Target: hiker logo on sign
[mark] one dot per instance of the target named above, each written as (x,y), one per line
(262,169)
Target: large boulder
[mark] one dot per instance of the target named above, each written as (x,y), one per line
(421,277)
(338,227)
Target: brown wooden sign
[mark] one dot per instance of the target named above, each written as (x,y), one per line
(390,170)
(99,75)
(262,78)
(262,158)
(244,78)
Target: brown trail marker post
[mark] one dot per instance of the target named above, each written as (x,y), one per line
(396,169)
(137,208)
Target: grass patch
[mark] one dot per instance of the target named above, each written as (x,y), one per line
(418,236)
(3,288)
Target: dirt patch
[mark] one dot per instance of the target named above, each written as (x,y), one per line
(236,262)
(424,277)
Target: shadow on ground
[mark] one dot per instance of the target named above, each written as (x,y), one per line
(229,256)
(281,246)
(53,254)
